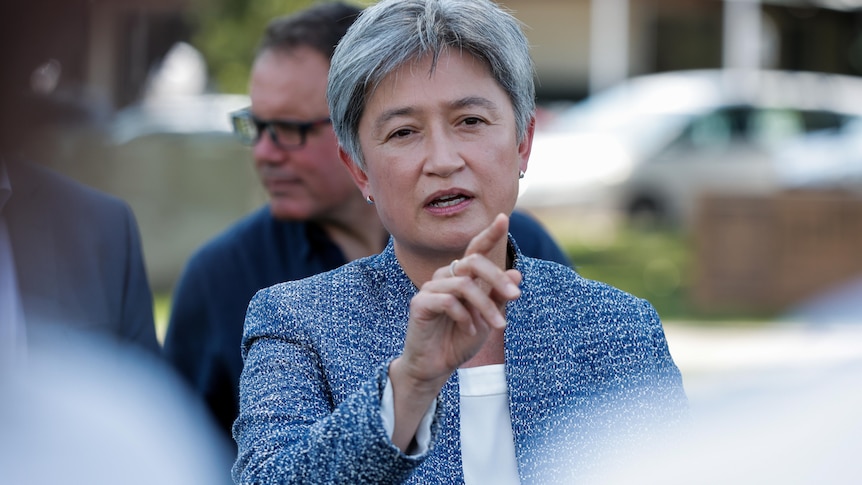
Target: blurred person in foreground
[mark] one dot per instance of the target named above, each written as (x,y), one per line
(70,256)
(86,394)
(316,218)
(451,356)
(87,410)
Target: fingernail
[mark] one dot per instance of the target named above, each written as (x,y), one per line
(500,321)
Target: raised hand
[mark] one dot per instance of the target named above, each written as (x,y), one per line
(451,317)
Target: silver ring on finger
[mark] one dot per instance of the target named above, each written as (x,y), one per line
(452,268)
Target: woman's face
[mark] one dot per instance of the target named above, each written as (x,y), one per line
(441,152)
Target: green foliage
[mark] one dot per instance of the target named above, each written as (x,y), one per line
(161,313)
(227,33)
(655,265)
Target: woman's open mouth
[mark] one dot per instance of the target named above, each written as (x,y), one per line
(448,200)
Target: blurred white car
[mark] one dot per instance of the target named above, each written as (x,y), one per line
(830,158)
(654,144)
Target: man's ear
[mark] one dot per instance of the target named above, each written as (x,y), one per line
(359,177)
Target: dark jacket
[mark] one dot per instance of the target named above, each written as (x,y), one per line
(78,258)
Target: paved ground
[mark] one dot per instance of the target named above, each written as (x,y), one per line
(718,359)
(718,348)
(770,404)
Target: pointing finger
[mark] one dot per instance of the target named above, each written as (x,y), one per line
(490,237)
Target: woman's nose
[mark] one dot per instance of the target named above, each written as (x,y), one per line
(442,156)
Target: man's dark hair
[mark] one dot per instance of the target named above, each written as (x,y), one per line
(319,27)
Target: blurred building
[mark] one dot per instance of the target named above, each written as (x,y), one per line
(96,57)
(108,47)
(105,48)
(583,45)
(110,93)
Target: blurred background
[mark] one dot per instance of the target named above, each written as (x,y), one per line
(703,154)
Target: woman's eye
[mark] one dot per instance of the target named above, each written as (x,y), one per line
(401,133)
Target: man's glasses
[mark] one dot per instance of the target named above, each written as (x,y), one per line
(285,134)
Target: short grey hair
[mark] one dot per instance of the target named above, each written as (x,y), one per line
(394,32)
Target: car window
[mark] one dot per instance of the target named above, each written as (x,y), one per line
(823,120)
(710,131)
(715,130)
(767,127)
(762,127)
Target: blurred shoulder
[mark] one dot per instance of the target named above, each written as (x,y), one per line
(356,276)
(521,220)
(247,229)
(534,240)
(47,186)
(253,237)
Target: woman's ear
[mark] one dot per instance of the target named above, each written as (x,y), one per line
(526,145)
(359,176)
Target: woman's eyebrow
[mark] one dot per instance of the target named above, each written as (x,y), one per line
(471,101)
(390,114)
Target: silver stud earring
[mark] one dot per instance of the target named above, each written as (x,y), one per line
(370,200)
(521,174)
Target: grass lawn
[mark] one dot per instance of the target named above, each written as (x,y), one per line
(162,310)
(652,265)
(657,265)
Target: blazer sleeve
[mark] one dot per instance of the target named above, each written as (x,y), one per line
(137,309)
(289,430)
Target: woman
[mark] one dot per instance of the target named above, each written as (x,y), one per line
(450,357)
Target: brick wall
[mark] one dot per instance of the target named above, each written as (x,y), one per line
(767,253)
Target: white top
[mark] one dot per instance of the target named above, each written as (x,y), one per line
(487,444)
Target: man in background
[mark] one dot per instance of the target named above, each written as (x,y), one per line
(316,218)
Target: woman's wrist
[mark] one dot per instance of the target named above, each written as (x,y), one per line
(412,398)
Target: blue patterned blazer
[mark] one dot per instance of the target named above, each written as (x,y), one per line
(587,367)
